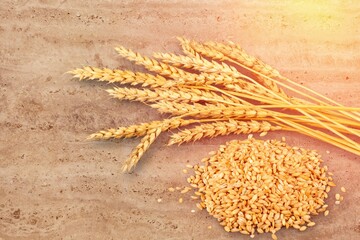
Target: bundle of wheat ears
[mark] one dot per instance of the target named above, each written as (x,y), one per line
(222,90)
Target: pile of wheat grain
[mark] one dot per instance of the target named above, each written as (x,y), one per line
(208,87)
(261,186)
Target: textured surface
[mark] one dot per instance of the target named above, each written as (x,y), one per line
(54,185)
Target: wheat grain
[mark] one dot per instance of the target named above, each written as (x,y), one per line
(261,186)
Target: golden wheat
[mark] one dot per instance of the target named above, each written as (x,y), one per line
(153,65)
(222,128)
(139,130)
(224,52)
(208,85)
(173,94)
(122,77)
(139,150)
(261,186)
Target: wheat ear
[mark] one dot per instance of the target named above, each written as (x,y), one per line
(198,63)
(180,94)
(221,128)
(266,73)
(121,76)
(221,52)
(154,65)
(240,57)
(140,130)
(140,149)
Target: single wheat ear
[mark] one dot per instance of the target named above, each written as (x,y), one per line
(222,128)
(139,151)
(140,130)
(121,77)
(153,65)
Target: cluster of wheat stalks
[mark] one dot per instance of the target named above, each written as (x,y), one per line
(223,90)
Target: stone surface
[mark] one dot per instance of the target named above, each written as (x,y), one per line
(55,185)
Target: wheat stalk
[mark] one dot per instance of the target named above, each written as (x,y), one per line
(221,128)
(266,73)
(197,90)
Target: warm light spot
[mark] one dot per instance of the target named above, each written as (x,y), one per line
(319,19)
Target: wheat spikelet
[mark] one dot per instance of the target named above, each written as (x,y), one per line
(120,76)
(185,45)
(140,130)
(139,150)
(172,94)
(221,128)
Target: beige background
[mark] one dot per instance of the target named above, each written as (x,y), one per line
(54,185)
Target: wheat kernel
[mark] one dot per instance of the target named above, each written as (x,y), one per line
(185,190)
(337,202)
(311,224)
(171,189)
(263,134)
(337,196)
(189,166)
(303,228)
(326,213)
(159,200)
(192,210)
(343,189)
(185,171)
(341,198)
(209,227)
(273,236)
(181,200)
